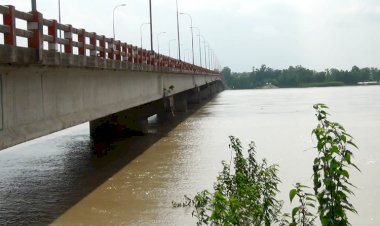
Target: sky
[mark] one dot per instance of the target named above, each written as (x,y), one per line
(243,34)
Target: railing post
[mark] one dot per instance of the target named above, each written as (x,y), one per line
(36,41)
(68,35)
(10,20)
(52,30)
(118,50)
(135,55)
(149,60)
(111,52)
(93,43)
(102,44)
(152,58)
(125,51)
(82,39)
(130,54)
(139,55)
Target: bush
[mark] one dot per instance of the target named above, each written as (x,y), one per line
(245,193)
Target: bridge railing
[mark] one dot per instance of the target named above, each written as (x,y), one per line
(42,33)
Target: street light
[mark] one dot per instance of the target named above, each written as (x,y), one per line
(151,25)
(158,41)
(199,44)
(179,43)
(34,5)
(209,56)
(141,26)
(113,18)
(170,43)
(59,21)
(192,37)
(207,52)
(204,45)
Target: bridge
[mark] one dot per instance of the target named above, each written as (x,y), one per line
(109,83)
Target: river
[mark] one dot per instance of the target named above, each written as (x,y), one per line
(57,180)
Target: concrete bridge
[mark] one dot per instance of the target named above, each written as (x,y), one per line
(110,83)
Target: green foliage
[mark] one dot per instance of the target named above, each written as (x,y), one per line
(331,176)
(245,193)
(301,215)
(298,76)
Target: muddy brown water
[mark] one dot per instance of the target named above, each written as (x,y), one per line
(57,180)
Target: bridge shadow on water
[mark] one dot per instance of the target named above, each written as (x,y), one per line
(43,197)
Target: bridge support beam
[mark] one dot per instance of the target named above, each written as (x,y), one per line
(116,125)
(205,92)
(195,96)
(129,122)
(180,103)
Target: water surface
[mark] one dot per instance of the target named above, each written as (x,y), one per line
(57,180)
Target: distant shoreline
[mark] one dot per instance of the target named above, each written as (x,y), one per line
(313,85)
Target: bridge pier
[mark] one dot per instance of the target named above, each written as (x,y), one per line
(180,103)
(195,96)
(116,125)
(133,121)
(205,92)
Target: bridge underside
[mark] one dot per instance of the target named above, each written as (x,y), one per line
(37,100)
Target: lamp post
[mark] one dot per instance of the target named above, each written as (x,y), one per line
(192,36)
(151,25)
(179,42)
(209,56)
(113,18)
(141,40)
(170,41)
(59,21)
(199,44)
(204,46)
(158,41)
(207,53)
(34,5)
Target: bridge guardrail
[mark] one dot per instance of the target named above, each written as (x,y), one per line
(87,43)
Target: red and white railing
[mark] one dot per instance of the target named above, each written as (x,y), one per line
(86,43)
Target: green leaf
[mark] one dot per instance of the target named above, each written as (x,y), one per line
(334,149)
(353,144)
(295,211)
(347,157)
(292,193)
(344,138)
(344,173)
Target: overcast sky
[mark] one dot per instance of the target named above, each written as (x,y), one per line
(317,34)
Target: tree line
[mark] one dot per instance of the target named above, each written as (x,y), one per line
(298,76)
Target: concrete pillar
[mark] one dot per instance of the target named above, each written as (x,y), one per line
(195,96)
(36,40)
(124,123)
(212,89)
(205,93)
(82,40)
(102,45)
(93,42)
(68,34)
(133,121)
(167,111)
(10,21)
(180,103)
(1,103)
